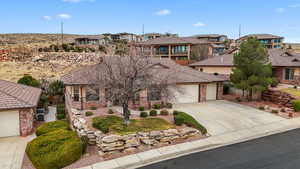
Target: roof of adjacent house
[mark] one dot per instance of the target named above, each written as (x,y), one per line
(173,40)
(14,96)
(278,58)
(166,68)
(263,36)
(209,36)
(97,37)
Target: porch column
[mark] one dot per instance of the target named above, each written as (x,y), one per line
(189,52)
(170,50)
(151,51)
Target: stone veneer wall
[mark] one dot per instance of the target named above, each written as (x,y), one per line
(26,122)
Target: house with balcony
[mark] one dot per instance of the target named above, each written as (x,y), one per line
(91,40)
(268,40)
(213,38)
(128,37)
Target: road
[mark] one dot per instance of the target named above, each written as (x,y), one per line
(280,151)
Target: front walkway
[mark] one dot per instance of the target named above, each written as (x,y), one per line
(51,115)
(220,117)
(228,123)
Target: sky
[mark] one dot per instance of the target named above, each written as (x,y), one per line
(184,17)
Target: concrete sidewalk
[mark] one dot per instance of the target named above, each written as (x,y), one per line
(215,141)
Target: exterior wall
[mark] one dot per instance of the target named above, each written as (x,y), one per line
(202,97)
(220,91)
(219,70)
(26,121)
(279,73)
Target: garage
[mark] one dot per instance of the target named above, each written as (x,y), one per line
(186,93)
(9,123)
(211,91)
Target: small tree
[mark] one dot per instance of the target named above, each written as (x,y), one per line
(252,69)
(29,81)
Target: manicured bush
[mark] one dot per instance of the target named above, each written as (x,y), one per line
(189,121)
(164,112)
(169,105)
(60,116)
(156,106)
(179,121)
(226,88)
(89,113)
(274,111)
(175,112)
(60,109)
(93,108)
(296,105)
(153,113)
(110,111)
(54,150)
(51,126)
(141,108)
(144,114)
(261,108)
(84,142)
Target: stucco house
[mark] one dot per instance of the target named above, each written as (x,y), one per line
(17,108)
(285,65)
(195,86)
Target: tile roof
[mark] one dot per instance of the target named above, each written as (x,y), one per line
(263,36)
(173,40)
(13,95)
(278,57)
(208,36)
(179,74)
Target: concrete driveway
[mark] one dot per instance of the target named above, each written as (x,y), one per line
(221,117)
(12,151)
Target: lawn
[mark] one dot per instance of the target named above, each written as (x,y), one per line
(292,91)
(115,125)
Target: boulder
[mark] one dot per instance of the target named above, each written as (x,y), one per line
(149,141)
(143,134)
(111,138)
(170,132)
(129,137)
(169,139)
(156,134)
(134,142)
(188,131)
(130,150)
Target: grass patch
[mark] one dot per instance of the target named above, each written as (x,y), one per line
(116,125)
(52,126)
(292,91)
(183,118)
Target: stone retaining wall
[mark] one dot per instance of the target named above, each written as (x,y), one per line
(278,97)
(108,144)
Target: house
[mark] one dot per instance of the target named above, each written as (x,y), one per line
(181,49)
(213,38)
(17,108)
(90,40)
(285,65)
(149,36)
(268,40)
(128,37)
(194,86)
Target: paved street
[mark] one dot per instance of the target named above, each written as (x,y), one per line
(221,117)
(281,151)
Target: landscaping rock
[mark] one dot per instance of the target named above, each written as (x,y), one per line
(129,137)
(149,141)
(143,134)
(188,131)
(170,132)
(134,142)
(130,150)
(111,138)
(156,134)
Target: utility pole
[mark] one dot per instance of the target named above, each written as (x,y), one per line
(144,31)
(62,33)
(240,30)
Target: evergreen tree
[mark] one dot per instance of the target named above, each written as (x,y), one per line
(29,81)
(252,70)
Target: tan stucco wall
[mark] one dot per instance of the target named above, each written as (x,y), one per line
(220,70)
(297,71)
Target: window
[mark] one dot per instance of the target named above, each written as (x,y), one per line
(154,94)
(136,97)
(92,94)
(76,93)
(289,74)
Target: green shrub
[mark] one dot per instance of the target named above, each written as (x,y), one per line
(84,142)
(144,114)
(156,106)
(179,121)
(153,113)
(103,123)
(261,108)
(296,105)
(189,121)
(275,82)
(110,111)
(51,126)
(60,109)
(29,81)
(93,108)
(60,116)
(274,111)
(175,112)
(169,105)
(54,150)
(141,108)
(226,88)
(164,112)
(89,113)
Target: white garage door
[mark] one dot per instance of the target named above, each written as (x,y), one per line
(9,123)
(185,94)
(211,91)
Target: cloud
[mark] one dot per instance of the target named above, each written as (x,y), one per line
(64,16)
(77,1)
(199,24)
(47,18)
(280,10)
(294,6)
(163,12)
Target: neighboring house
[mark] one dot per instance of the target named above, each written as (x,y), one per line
(128,37)
(17,108)
(268,40)
(194,86)
(178,48)
(285,65)
(90,40)
(149,36)
(213,38)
